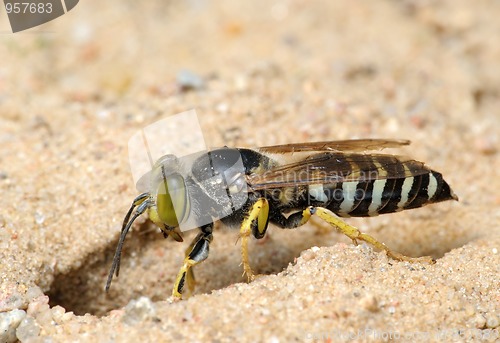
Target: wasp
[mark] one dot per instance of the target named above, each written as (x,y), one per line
(284,185)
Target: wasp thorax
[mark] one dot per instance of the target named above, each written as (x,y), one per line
(172,200)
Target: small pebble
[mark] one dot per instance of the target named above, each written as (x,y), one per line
(492,321)
(33,292)
(188,316)
(187,80)
(12,302)
(486,146)
(44,316)
(28,329)
(39,217)
(241,83)
(58,313)
(223,107)
(67,316)
(309,254)
(9,321)
(369,302)
(139,310)
(37,305)
(479,321)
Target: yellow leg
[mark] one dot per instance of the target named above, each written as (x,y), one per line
(190,280)
(355,234)
(182,278)
(196,253)
(257,219)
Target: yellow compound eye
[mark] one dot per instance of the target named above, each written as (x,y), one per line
(172,200)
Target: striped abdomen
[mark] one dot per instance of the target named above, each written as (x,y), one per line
(398,186)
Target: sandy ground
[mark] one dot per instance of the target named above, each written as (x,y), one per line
(73,91)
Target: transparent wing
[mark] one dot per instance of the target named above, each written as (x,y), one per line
(353,145)
(331,167)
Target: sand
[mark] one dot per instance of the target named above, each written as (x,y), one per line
(72,92)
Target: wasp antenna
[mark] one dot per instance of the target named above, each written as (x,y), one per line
(140,204)
(137,201)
